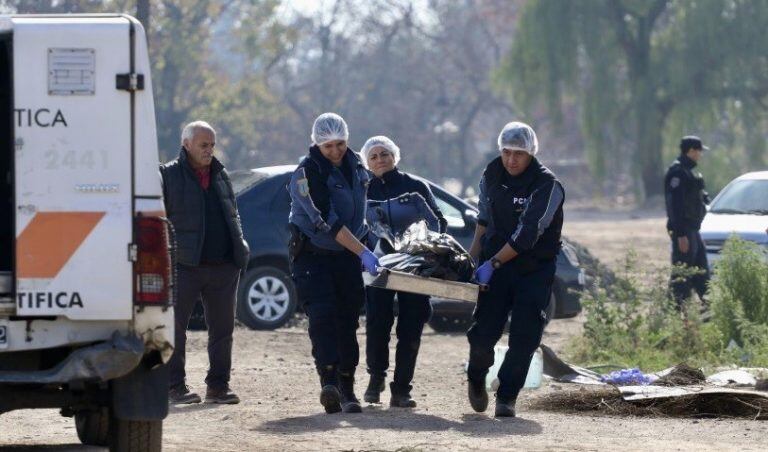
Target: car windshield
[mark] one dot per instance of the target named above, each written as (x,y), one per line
(748,196)
(243,179)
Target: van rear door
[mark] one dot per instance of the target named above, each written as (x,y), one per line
(73,168)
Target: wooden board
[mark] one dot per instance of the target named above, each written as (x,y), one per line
(406,282)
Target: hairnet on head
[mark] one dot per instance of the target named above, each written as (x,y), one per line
(382,141)
(329,127)
(518,136)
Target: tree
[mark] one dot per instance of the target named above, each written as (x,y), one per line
(629,64)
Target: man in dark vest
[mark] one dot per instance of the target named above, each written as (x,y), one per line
(200,203)
(686,202)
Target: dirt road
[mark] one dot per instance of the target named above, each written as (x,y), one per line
(275,377)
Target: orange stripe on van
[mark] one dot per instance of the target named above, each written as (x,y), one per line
(50,239)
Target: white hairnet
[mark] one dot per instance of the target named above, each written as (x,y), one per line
(518,136)
(382,141)
(329,127)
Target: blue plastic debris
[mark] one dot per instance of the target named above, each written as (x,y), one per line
(627,377)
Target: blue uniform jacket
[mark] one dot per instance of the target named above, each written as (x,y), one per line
(525,211)
(322,200)
(685,197)
(392,184)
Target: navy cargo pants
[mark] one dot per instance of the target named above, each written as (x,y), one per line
(526,297)
(330,288)
(413,312)
(695,258)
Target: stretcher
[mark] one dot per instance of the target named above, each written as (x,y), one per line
(406,282)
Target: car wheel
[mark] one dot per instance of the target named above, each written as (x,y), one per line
(266,298)
(135,436)
(442,323)
(552,306)
(93,427)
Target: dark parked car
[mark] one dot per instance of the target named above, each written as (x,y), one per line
(267,297)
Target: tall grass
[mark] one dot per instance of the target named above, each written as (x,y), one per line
(634,322)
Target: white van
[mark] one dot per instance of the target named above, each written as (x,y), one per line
(86,281)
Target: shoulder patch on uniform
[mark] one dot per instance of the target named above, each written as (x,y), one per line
(303,186)
(674,182)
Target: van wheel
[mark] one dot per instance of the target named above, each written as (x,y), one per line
(135,436)
(266,298)
(93,427)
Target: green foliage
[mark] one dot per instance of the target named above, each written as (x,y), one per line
(635,322)
(629,65)
(739,292)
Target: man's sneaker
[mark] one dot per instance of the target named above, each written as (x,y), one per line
(375,388)
(349,402)
(330,399)
(223,395)
(181,394)
(505,409)
(478,396)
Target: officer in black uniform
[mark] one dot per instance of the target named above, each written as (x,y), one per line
(517,239)
(327,221)
(686,201)
(396,200)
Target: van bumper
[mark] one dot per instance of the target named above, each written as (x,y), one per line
(100,362)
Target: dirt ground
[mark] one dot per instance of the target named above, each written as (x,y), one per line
(274,375)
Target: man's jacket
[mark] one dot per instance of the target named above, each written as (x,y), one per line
(525,211)
(185,205)
(685,197)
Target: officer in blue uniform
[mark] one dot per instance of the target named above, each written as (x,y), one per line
(517,239)
(396,200)
(327,221)
(686,202)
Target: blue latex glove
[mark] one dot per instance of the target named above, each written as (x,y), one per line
(484,272)
(370,262)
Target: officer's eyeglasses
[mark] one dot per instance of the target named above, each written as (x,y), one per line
(383,155)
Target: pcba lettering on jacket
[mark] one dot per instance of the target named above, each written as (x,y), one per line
(50,300)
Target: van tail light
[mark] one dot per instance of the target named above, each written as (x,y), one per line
(153,267)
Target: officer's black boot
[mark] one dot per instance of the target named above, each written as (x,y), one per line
(349,402)
(401,397)
(478,396)
(505,408)
(375,388)
(330,397)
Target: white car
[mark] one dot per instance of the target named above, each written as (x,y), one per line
(741,208)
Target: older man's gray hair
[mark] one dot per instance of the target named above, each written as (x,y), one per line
(190,129)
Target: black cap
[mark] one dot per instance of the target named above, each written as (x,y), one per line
(691,142)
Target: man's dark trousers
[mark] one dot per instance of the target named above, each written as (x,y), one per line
(330,288)
(413,312)
(216,284)
(526,296)
(695,258)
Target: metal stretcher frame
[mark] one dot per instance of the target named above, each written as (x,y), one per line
(406,282)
